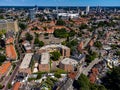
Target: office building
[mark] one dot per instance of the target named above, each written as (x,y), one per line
(32,13)
(87,9)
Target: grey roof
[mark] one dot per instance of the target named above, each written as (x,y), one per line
(36,57)
(67,85)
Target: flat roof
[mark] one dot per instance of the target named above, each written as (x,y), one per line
(45,57)
(54,46)
(69,61)
(26,61)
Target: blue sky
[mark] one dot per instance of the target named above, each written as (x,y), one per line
(60,2)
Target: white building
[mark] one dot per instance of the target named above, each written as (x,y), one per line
(24,67)
(70,15)
(87,9)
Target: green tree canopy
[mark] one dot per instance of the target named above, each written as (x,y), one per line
(2,58)
(112,80)
(60,22)
(61,33)
(83,26)
(22,26)
(38,42)
(55,55)
(29,37)
(91,56)
(83,83)
(117,53)
(72,33)
(98,44)
(1,86)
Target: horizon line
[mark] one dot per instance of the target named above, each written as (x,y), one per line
(53,6)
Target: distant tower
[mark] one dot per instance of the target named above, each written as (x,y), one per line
(57,12)
(99,9)
(36,8)
(87,9)
(32,14)
(115,10)
(78,10)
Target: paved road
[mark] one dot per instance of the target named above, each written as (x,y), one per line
(12,76)
(86,70)
(10,79)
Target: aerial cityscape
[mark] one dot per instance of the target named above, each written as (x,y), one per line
(60,45)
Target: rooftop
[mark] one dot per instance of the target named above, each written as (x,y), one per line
(26,61)
(16,86)
(45,58)
(10,52)
(9,40)
(53,46)
(69,61)
(4,67)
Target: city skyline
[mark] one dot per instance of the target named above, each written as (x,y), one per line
(60,3)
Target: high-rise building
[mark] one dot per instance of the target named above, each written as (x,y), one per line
(32,13)
(87,9)
(36,8)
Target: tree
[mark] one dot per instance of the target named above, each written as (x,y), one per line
(22,26)
(60,22)
(2,58)
(98,44)
(41,43)
(61,33)
(72,33)
(38,42)
(117,53)
(29,37)
(83,26)
(35,28)
(1,17)
(9,86)
(55,55)
(1,86)
(83,83)
(57,75)
(112,80)
(91,56)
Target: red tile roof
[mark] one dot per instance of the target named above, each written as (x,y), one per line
(16,86)
(4,67)
(72,75)
(10,52)
(9,40)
